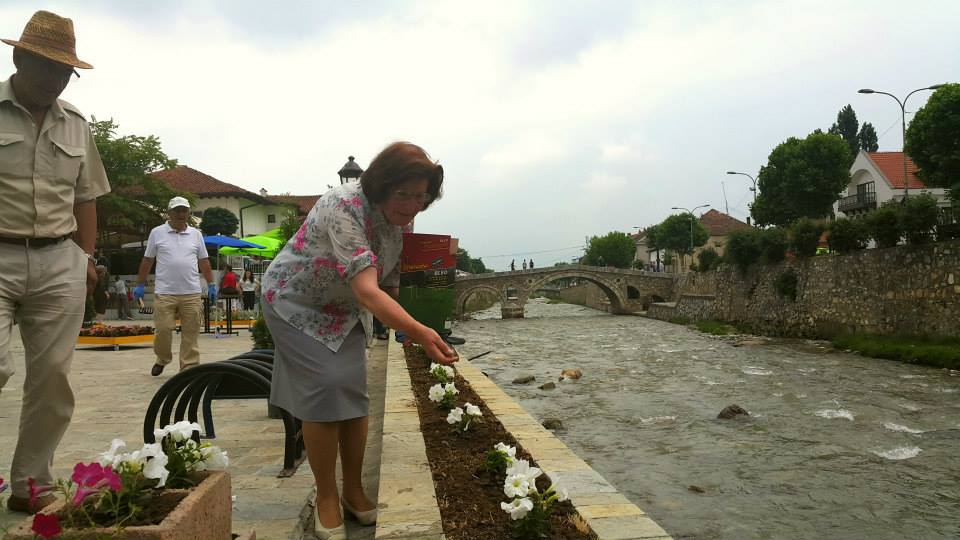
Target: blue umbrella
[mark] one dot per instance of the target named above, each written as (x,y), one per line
(220,240)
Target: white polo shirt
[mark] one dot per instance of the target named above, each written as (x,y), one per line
(178,255)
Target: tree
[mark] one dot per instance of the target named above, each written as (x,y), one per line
(466,263)
(674,233)
(933,140)
(137,201)
(846,127)
(918,218)
(803,178)
(867,138)
(613,249)
(218,220)
(805,237)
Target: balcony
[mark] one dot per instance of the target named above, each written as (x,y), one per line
(860,201)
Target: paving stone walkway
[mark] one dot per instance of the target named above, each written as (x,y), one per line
(112,391)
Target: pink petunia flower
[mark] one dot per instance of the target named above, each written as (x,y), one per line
(35,491)
(46,525)
(3,485)
(93,478)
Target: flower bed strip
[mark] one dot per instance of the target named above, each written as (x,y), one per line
(607,512)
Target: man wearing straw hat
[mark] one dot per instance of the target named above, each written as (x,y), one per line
(50,177)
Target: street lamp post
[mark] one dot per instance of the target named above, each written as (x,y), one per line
(903,125)
(752,179)
(349,171)
(692,217)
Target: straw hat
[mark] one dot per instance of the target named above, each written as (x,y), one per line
(50,36)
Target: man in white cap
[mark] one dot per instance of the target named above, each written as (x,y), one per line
(50,177)
(179,252)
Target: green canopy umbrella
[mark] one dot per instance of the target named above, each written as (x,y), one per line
(270,241)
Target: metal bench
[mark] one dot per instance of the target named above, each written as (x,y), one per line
(246,376)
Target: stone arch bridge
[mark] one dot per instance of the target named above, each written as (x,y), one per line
(628,290)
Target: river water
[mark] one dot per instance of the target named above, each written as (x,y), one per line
(837,446)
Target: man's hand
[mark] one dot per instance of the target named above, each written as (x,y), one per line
(138,292)
(212,292)
(91,277)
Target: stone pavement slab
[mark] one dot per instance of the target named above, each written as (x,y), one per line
(113,389)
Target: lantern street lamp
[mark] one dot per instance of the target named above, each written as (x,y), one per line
(349,171)
(903,125)
(692,217)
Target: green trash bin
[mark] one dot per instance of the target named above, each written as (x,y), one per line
(431,307)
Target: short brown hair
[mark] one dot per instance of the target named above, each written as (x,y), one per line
(398,163)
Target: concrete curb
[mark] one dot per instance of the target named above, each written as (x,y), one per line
(408,502)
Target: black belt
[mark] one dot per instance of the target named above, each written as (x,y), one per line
(33,242)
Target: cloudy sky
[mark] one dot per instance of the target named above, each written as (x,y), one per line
(555,120)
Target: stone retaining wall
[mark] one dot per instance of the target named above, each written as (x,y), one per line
(407,500)
(903,290)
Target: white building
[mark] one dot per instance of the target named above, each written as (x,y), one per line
(877,177)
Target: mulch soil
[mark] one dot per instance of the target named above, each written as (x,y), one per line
(469,497)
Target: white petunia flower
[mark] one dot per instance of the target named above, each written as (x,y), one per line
(181,431)
(449,387)
(114,456)
(213,458)
(506,449)
(562,494)
(472,409)
(522,467)
(518,508)
(516,486)
(456,414)
(156,468)
(436,393)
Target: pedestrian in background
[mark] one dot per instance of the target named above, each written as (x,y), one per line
(524,264)
(249,286)
(531,264)
(122,294)
(513,265)
(179,252)
(101,293)
(50,177)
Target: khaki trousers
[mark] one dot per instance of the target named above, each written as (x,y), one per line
(43,290)
(166,309)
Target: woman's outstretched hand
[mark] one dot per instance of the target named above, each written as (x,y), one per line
(436,348)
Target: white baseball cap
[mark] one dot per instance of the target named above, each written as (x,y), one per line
(178,201)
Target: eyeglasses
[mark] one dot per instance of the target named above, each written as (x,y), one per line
(406,197)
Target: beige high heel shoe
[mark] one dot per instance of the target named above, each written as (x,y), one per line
(322,533)
(368,517)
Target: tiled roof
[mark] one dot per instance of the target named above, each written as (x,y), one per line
(304,203)
(891,166)
(720,224)
(186,179)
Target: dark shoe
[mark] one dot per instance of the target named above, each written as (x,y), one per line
(157,369)
(22,504)
(453,340)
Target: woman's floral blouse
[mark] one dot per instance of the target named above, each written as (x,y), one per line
(308,283)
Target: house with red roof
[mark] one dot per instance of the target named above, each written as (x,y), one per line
(877,177)
(257,213)
(719,225)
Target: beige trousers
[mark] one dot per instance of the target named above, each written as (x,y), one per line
(43,290)
(167,308)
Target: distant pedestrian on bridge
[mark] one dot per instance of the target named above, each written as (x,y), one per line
(524,264)
(513,265)
(531,264)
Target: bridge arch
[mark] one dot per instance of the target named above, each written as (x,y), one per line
(465,294)
(615,292)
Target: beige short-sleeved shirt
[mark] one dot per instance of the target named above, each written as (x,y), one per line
(41,178)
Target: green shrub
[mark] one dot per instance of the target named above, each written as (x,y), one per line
(846,235)
(805,236)
(883,224)
(679,319)
(260,334)
(743,248)
(786,285)
(708,258)
(773,245)
(937,352)
(918,218)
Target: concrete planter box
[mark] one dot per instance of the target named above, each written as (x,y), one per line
(205,514)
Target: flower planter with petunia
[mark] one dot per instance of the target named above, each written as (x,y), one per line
(115,336)
(163,491)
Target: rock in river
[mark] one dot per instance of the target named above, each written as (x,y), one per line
(552,423)
(732,411)
(548,386)
(524,380)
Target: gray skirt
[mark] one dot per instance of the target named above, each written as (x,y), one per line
(312,382)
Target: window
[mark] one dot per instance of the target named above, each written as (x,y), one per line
(271,218)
